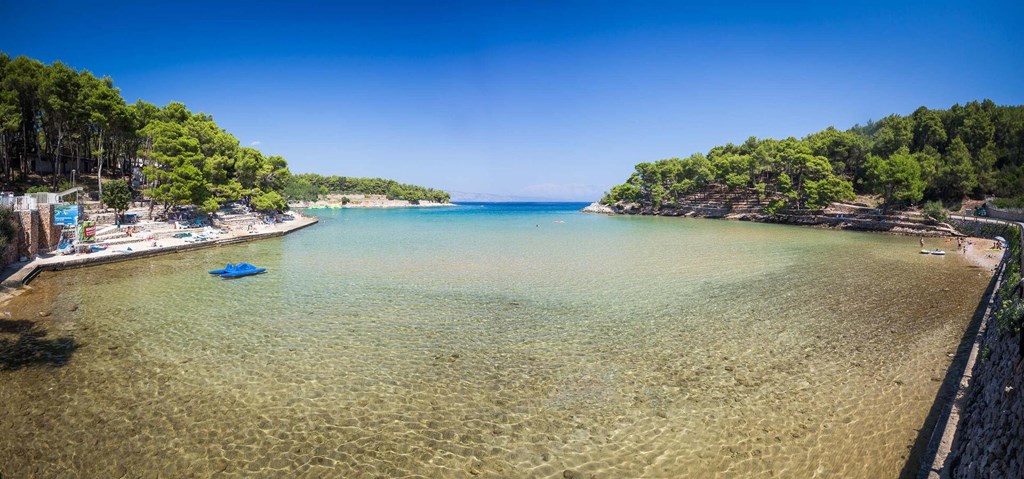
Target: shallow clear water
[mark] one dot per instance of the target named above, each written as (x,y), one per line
(489,341)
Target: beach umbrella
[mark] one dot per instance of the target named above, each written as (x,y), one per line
(1000,239)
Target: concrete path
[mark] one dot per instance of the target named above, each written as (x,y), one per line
(933,465)
(20,274)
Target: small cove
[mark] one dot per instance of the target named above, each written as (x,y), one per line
(494,341)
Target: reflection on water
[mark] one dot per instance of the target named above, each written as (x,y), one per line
(492,342)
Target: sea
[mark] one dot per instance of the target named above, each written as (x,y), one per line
(489,340)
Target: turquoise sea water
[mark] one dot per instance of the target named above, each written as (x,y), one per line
(493,340)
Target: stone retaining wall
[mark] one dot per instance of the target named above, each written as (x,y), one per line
(34,233)
(990,437)
(1004,214)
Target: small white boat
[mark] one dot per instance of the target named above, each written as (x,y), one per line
(937,252)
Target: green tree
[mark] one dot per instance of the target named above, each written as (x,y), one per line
(106,112)
(977,130)
(59,90)
(118,196)
(831,188)
(897,178)
(22,77)
(10,118)
(299,188)
(845,150)
(268,201)
(627,192)
(175,178)
(957,176)
(928,129)
(894,132)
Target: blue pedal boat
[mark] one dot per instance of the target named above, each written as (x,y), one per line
(242,269)
(237,270)
(223,270)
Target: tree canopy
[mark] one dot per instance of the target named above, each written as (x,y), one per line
(118,196)
(305,184)
(55,115)
(974,150)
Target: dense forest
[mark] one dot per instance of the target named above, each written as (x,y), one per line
(307,186)
(56,120)
(970,151)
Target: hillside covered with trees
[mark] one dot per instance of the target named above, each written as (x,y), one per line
(307,186)
(968,151)
(56,120)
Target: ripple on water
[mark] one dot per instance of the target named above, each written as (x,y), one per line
(619,347)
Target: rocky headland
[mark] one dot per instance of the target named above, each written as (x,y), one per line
(744,205)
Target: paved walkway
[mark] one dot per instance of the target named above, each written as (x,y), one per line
(20,274)
(933,465)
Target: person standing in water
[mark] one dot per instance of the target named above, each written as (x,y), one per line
(922,241)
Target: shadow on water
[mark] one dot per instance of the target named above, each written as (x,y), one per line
(922,449)
(31,347)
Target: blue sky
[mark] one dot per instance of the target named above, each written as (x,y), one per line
(543,99)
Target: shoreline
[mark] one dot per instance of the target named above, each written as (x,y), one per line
(324,205)
(977,254)
(17,275)
(119,347)
(837,217)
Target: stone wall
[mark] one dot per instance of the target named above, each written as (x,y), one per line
(990,437)
(27,238)
(34,233)
(1004,214)
(49,232)
(989,440)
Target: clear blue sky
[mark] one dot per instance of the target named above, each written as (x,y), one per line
(544,99)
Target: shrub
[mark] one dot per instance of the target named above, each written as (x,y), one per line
(1017,202)
(7,227)
(1008,318)
(935,211)
(774,206)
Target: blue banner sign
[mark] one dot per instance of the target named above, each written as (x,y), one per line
(66,215)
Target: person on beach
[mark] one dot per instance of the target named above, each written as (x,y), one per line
(922,241)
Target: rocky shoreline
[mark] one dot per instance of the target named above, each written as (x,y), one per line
(838,216)
(312,205)
(362,201)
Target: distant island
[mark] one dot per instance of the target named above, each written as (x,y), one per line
(937,159)
(61,128)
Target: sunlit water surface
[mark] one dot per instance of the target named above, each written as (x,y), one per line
(490,341)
